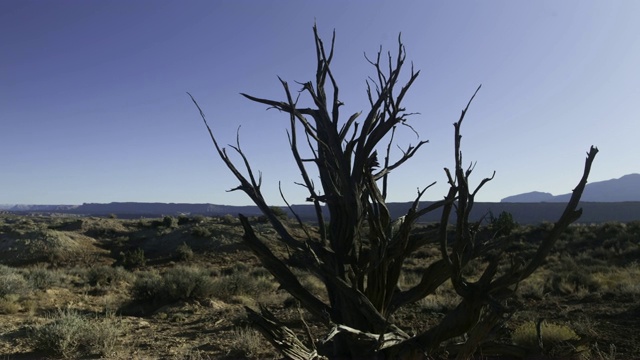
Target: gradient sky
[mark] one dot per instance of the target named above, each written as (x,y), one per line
(93,103)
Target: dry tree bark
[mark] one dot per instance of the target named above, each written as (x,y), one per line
(358,253)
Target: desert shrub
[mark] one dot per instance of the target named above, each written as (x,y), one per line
(183,283)
(179,283)
(104,275)
(42,278)
(279,212)
(201,232)
(6,270)
(309,281)
(558,284)
(184,252)
(229,219)
(247,343)
(63,336)
(610,230)
(502,225)
(183,220)
(441,301)
(147,286)
(242,283)
(12,282)
(170,222)
(9,304)
(197,219)
(69,334)
(582,280)
(552,335)
(587,261)
(621,281)
(132,259)
(103,337)
(533,287)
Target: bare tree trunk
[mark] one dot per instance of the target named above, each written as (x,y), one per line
(359,254)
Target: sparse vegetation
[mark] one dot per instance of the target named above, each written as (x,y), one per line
(201,232)
(133,259)
(178,283)
(147,287)
(170,222)
(248,342)
(229,219)
(9,303)
(104,275)
(594,294)
(70,334)
(556,340)
(42,278)
(243,283)
(184,252)
(12,282)
(502,225)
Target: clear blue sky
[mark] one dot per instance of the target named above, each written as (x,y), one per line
(93,104)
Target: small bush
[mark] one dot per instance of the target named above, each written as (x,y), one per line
(103,337)
(170,222)
(179,283)
(229,219)
(133,259)
(42,278)
(552,334)
(184,252)
(201,232)
(183,220)
(242,283)
(12,282)
(502,225)
(443,300)
(619,280)
(147,287)
(247,342)
(70,335)
(198,219)
(532,287)
(279,212)
(9,304)
(184,283)
(63,336)
(104,275)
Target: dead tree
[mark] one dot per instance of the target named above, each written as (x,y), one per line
(358,252)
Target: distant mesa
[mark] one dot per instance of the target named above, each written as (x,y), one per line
(137,209)
(626,188)
(50,208)
(611,200)
(534,196)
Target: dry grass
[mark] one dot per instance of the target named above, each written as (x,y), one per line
(9,304)
(527,336)
(622,280)
(196,305)
(248,342)
(69,334)
(558,340)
